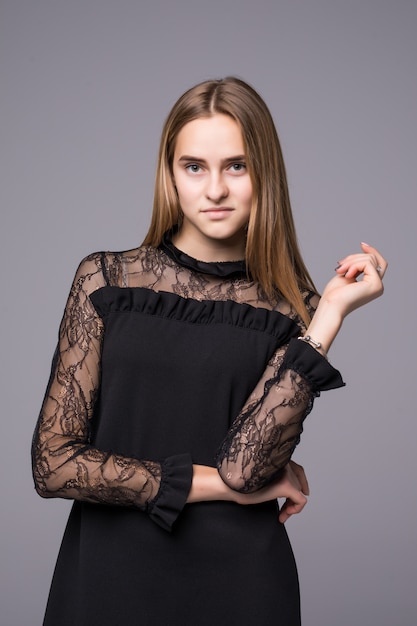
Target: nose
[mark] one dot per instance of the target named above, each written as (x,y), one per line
(217,188)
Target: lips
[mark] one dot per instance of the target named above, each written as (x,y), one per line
(218,212)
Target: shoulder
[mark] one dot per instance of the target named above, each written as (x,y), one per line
(89,274)
(113,268)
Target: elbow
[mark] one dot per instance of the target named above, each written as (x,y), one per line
(51,477)
(43,486)
(236,475)
(48,489)
(44,479)
(251,479)
(236,481)
(42,492)
(40,469)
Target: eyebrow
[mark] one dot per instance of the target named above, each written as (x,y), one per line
(192,159)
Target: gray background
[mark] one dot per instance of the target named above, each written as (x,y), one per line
(85,87)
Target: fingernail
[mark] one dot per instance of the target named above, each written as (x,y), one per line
(336,268)
(365,244)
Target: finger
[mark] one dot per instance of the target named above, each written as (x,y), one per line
(294,503)
(291,508)
(381,262)
(302,478)
(360,266)
(370,254)
(356,264)
(367,249)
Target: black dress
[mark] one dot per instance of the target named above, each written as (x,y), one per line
(164,361)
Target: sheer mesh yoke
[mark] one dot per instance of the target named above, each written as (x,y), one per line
(261,438)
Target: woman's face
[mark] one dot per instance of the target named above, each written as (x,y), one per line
(214,188)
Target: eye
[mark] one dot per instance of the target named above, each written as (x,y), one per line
(193,168)
(238,168)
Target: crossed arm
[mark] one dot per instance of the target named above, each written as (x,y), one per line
(67,465)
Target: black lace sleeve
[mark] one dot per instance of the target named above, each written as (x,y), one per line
(265,433)
(65,464)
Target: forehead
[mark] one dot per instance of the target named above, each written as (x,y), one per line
(216,135)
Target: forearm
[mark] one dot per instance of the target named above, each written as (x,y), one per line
(67,469)
(291,485)
(263,437)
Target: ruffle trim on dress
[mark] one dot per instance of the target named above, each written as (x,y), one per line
(172,306)
(311,365)
(177,475)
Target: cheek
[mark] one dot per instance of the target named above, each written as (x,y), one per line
(186,193)
(187,186)
(247,193)
(183,189)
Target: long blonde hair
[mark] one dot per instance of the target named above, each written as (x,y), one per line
(272,253)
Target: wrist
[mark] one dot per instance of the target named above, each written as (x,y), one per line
(207,485)
(316,344)
(324,326)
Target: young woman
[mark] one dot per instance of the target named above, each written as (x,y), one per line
(183,373)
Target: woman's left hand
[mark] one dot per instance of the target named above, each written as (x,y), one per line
(345,291)
(295,475)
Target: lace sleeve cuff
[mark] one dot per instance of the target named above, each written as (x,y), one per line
(311,365)
(177,473)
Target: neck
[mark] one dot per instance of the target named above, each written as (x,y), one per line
(211,250)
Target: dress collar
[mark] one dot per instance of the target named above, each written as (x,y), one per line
(224,269)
